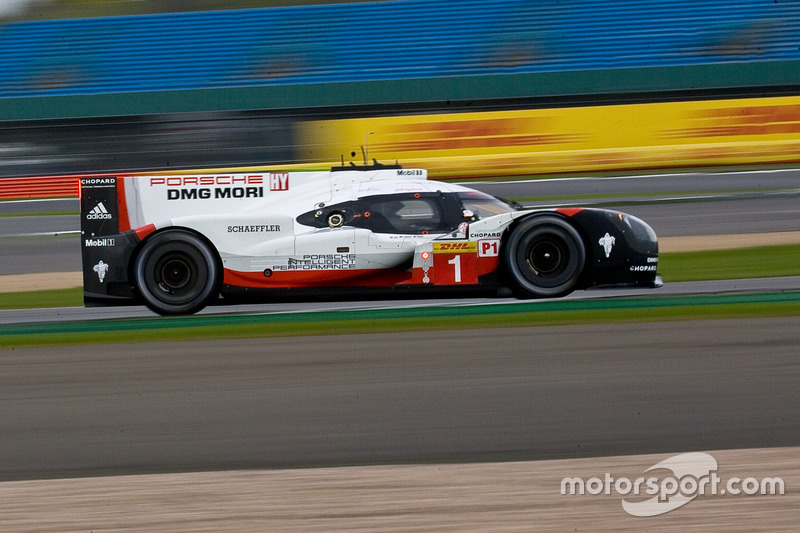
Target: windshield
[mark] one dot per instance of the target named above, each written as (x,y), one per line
(483,205)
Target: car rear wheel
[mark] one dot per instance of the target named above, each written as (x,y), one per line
(176,273)
(544,257)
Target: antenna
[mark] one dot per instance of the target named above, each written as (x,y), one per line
(365,148)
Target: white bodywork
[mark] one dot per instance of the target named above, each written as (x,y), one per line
(251,218)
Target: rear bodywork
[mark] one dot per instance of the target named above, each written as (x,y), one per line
(317,230)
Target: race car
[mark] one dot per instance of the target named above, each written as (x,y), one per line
(179,242)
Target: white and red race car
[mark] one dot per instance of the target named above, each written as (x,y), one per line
(180,242)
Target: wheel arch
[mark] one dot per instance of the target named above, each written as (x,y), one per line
(161,231)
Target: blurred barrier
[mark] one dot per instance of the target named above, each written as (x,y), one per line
(43,187)
(532,141)
(600,138)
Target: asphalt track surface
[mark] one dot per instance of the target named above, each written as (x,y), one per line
(463,396)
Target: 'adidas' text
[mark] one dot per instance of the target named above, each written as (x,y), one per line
(98,213)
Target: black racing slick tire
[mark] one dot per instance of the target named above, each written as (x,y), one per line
(176,272)
(544,257)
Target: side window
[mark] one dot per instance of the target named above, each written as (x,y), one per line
(404,215)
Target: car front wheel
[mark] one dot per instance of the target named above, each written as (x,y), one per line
(544,257)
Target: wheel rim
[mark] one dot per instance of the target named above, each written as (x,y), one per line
(175,273)
(547,258)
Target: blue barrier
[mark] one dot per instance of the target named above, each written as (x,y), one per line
(404,39)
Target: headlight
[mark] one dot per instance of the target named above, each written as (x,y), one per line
(641,230)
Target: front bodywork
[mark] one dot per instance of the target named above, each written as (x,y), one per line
(375,228)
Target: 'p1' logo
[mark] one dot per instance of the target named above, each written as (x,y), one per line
(489,248)
(279,181)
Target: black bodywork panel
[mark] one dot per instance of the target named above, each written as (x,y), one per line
(632,257)
(106,253)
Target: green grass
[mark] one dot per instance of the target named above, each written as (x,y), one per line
(39,213)
(61,9)
(36,299)
(643,197)
(616,173)
(515,314)
(761,262)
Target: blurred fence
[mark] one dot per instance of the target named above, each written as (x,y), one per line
(39,187)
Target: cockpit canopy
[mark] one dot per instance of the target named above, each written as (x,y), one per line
(411,213)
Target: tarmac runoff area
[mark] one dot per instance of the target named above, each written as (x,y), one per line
(515,496)
(67,280)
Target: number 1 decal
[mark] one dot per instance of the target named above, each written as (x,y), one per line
(456,262)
